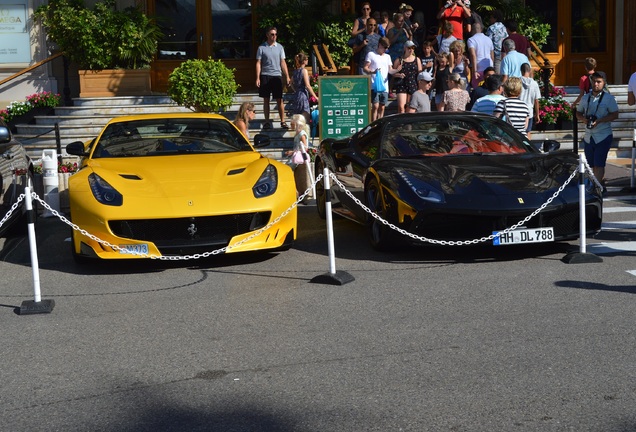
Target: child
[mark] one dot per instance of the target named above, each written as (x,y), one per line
(299,155)
(441,77)
(585,83)
(428,58)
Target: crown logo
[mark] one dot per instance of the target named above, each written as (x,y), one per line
(344,86)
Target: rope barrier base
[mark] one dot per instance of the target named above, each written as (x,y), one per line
(581,258)
(31,307)
(337,278)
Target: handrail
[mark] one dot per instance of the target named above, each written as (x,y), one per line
(538,56)
(324,67)
(30,68)
(547,68)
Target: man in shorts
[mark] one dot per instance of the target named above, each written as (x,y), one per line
(270,70)
(597,110)
(379,61)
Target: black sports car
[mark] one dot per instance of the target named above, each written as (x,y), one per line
(16,171)
(453,177)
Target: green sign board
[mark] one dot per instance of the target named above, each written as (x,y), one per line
(344,105)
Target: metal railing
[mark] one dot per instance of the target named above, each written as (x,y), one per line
(66,89)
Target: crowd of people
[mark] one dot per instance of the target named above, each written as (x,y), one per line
(460,65)
(449,63)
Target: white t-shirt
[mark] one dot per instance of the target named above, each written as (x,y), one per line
(382,62)
(483,47)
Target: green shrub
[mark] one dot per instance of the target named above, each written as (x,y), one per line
(203,85)
(102,37)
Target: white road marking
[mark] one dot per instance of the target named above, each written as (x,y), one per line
(609,248)
(619,209)
(618,225)
(632,272)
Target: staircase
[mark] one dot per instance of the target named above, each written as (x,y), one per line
(623,127)
(84,120)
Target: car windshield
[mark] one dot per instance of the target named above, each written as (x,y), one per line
(445,137)
(169,136)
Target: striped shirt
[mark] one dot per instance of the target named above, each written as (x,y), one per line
(518,112)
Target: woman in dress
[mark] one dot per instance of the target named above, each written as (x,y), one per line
(459,61)
(398,35)
(360,24)
(245,113)
(302,87)
(442,73)
(456,97)
(405,80)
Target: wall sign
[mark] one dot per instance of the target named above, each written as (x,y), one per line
(344,105)
(15,46)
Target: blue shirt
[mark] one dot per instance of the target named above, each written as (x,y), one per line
(511,63)
(599,107)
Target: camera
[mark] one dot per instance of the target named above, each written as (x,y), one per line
(590,121)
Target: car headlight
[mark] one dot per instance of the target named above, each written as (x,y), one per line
(422,189)
(267,183)
(104,192)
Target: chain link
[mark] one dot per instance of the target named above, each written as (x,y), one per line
(590,173)
(453,242)
(13,208)
(172,257)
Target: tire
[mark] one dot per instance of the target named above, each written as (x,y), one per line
(381,237)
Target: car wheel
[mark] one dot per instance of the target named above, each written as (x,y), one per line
(321,198)
(381,236)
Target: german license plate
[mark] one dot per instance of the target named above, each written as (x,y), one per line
(133,249)
(527,235)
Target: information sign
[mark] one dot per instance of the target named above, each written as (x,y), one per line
(344,105)
(15,46)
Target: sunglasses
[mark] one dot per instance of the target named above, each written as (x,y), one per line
(273,34)
(366,8)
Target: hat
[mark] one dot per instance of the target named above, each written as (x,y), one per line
(425,76)
(409,43)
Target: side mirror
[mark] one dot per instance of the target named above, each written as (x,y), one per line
(261,140)
(550,146)
(5,135)
(76,148)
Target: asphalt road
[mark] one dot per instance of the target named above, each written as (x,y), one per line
(428,339)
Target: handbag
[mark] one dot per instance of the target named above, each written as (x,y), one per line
(378,83)
(505,115)
(298,157)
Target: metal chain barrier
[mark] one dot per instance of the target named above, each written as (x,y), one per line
(171,257)
(13,208)
(590,174)
(453,242)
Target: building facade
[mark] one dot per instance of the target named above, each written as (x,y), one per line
(227,30)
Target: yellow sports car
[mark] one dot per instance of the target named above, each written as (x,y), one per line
(177,184)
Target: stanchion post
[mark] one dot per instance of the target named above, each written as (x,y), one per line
(333,277)
(37,305)
(582,256)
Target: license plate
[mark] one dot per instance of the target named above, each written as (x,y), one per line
(134,249)
(520,236)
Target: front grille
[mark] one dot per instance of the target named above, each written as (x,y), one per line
(181,235)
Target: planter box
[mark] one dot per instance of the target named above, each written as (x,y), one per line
(29,117)
(114,82)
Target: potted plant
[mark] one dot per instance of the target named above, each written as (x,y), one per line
(25,111)
(203,85)
(103,41)
(554,110)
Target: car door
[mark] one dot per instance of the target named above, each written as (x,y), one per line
(363,150)
(13,171)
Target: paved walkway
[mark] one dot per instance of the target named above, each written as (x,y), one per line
(618,172)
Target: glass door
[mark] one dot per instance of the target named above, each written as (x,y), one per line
(579,29)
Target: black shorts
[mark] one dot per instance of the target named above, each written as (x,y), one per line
(271,85)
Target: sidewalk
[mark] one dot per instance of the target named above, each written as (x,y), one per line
(618,172)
